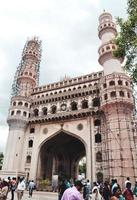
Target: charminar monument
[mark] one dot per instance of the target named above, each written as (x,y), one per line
(51,127)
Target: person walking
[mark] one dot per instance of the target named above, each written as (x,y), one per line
(31,187)
(86,190)
(13,186)
(73,193)
(20,188)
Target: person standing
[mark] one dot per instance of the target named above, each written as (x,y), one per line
(106,193)
(20,188)
(117,194)
(31,187)
(13,186)
(4,190)
(96,194)
(127,181)
(135,189)
(73,193)
(62,188)
(127,193)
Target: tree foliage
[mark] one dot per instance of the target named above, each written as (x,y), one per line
(127,39)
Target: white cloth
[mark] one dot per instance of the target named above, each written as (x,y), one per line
(127,181)
(96,195)
(21,185)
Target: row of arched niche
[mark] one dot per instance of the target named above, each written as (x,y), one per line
(73,107)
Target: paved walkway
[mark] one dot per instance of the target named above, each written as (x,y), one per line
(37,195)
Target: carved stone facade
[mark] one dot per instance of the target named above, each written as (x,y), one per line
(52,127)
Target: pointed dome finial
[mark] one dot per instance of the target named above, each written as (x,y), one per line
(104,10)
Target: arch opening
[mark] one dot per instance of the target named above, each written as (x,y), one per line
(60,156)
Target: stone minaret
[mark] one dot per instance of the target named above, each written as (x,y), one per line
(26,79)
(118,148)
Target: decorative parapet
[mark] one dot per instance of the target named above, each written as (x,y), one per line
(67,83)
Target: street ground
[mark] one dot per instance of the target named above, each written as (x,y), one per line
(37,195)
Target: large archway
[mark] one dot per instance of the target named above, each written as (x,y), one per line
(60,156)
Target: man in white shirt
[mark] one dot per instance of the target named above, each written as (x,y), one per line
(20,188)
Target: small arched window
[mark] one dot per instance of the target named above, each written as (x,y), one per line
(84,104)
(98,156)
(113,94)
(121,93)
(126,83)
(53,109)
(12,113)
(26,104)
(18,112)
(14,103)
(30,143)
(32,130)
(24,113)
(97,122)
(120,82)
(96,102)
(104,85)
(98,138)
(111,83)
(74,106)
(128,94)
(20,103)
(44,111)
(36,112)
(105,96)
(28,159)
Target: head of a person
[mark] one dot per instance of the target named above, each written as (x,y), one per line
(21,178)
(128,185)
(115,180)
(128,179)
(78,184)
(87,180)
(94,183)
(95,189)
(116,192)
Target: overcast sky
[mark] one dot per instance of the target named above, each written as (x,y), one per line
(68,30)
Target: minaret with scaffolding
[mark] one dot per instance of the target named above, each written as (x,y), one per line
(27,75)
(117,106)
(26,78)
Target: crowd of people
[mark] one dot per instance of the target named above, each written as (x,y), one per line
(103,191)
(10,185)
(73,191)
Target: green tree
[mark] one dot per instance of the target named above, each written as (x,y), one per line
(1,159)
(127,39)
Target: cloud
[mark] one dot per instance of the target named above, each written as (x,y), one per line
(68,30)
